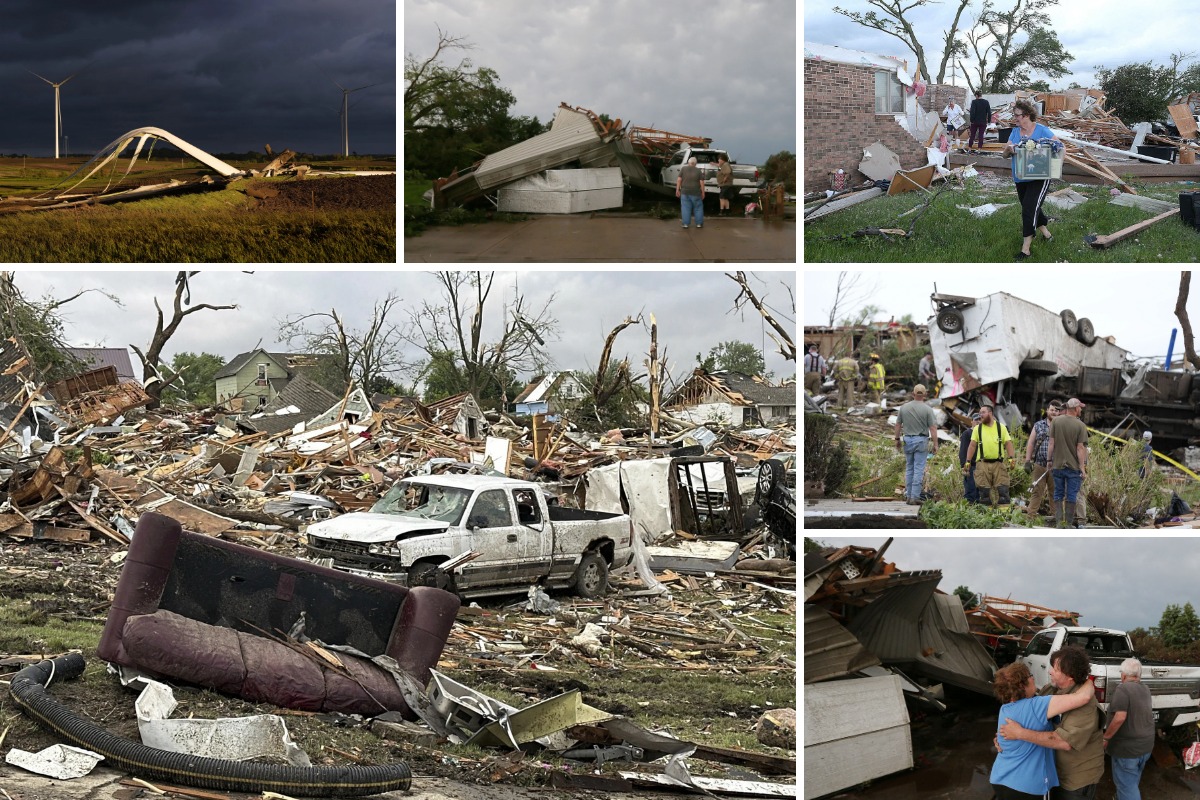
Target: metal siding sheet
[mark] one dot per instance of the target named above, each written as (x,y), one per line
(831,651)
(569,129)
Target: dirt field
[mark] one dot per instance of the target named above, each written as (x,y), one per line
(329,193)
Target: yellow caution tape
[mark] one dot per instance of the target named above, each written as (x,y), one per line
(1165,458)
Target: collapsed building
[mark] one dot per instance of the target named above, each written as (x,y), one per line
(865,115)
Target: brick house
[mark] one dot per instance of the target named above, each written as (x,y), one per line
(853,99)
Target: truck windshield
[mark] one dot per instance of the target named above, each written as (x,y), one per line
(443,503)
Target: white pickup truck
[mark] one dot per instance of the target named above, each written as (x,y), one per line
(423,522)
(745,178)
(1175,688)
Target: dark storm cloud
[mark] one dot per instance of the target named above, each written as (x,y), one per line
(226,76)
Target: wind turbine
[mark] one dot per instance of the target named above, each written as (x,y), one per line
(57,104)
(346,113)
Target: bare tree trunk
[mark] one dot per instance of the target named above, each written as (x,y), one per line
(163,334)
(601,392)
(1189,345)
(654,382)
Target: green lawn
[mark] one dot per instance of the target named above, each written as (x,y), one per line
(947,233)
(414,189)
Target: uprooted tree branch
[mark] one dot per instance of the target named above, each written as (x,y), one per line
(787,345)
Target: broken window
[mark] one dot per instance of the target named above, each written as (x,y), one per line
(527,508)
(491,510)
(889,94)
(262,375)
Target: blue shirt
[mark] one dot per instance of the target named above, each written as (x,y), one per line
(1025,766)
(1040,131)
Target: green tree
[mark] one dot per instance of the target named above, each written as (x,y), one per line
(618,408)
(966,595)
(197,381)
(1141,92)
(894,23)
(734,357)
(460,358)
(781,167)
(1178,626)
(38,326)
(813,545)
(1011,46)
(455,115)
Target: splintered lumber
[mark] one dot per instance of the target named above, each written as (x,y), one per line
(1088,163)
(1125,233)
(845,202)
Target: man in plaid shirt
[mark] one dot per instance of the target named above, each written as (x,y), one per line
(1037,459)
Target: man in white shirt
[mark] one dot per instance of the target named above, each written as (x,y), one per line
(955,120)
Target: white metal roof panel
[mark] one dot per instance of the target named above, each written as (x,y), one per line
(569,129)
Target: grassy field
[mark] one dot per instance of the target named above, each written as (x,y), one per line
(222,225)
(948,232)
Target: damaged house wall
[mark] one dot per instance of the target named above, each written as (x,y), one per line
(840,117)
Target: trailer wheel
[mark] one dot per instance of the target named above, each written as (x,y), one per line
(950,320)
(770,475)
(1086,333)
(1069,323)
(1039,367)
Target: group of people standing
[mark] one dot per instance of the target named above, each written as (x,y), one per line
(689,188)
(1051,741)
(847,374)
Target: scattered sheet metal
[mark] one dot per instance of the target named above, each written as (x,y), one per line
(261,737)
(60,761)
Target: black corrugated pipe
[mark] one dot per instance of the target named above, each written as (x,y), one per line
(28,690)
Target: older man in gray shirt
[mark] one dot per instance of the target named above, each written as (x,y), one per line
(916,437)
(689,188)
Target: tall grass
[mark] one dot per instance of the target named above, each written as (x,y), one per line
(208,227)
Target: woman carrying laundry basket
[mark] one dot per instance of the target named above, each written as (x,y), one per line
(1033,148)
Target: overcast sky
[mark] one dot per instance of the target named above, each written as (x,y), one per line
(1118,582)
(1095,32)
(224,75)
(1137,307)
(693,309)
(726,70)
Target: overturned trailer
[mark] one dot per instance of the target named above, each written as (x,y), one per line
(1026,355)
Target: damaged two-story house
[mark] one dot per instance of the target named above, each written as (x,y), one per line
(252,380)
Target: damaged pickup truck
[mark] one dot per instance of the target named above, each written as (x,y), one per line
(1174,688)
(475,535)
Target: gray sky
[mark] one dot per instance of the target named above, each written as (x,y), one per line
(1113,582)
(693,308)
(1096,32)
(1137,306)
(224,75)
(726,70)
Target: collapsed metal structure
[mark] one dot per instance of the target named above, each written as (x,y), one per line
(576,134)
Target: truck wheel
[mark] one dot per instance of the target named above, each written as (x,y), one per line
(1086,332)
(1039,366)
(770,473)
(1069,323)
(950,320)
(591,577)
(427,573)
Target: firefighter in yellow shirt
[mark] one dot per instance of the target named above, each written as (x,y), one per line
(876,377)
(991,439)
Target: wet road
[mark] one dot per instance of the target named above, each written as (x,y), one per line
(582,237)
(953,757)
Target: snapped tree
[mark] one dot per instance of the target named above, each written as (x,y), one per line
(152,364)
(38,326)
(371,356)
(460,356)
(894,23)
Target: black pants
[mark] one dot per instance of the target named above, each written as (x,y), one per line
(1005,793)
(1031,194)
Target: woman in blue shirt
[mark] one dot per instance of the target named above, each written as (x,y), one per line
(1030,192)
(1022,770)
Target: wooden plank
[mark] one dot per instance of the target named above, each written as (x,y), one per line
(1125,233)
(28,530)
(1184,121)
(1103,174)
(1147,204)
